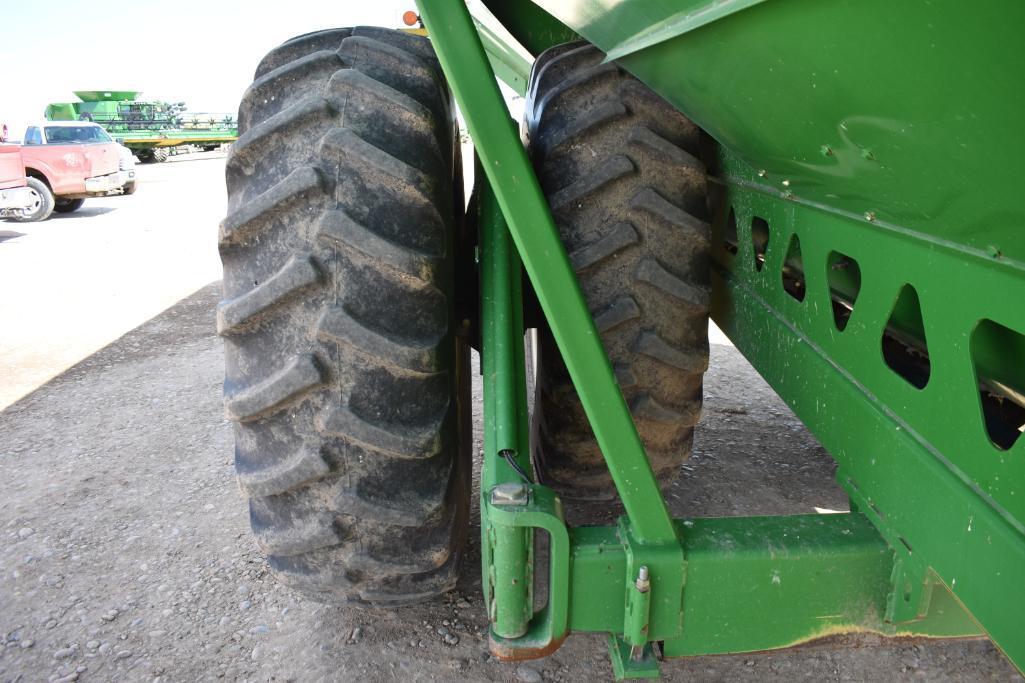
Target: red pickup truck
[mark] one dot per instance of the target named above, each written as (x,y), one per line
(15,196)
(68,161)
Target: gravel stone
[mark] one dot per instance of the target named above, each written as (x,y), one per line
(25,532)
(64,652)
(526,674)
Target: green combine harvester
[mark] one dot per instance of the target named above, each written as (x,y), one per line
(150,129)
(835,183)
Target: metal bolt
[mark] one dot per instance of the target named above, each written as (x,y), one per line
(762,173)
(786,183)
(643,583)
(511,493)
(870,216)
(826,150)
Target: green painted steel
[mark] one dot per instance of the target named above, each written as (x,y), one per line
(869,262)
(533,230)
(910,172)
(507,555)
(751,583)
(509,60)
(758,583)
(533,27)
(769,582)
(906,110)
(918,462)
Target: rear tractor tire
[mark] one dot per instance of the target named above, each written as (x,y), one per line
(346,384)
(160,155)
(619,166)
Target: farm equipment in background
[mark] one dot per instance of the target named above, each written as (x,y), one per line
(834,183)
(150,129)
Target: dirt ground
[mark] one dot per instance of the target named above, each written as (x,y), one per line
(124,545)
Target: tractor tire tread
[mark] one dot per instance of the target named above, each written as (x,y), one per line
(337,318)
(620,168)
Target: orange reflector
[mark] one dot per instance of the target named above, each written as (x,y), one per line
(410,18)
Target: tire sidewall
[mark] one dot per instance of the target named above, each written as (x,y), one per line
(68,205)
(45,205)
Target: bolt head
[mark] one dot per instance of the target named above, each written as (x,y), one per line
(510,493)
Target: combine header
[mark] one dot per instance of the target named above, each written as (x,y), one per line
(149,129)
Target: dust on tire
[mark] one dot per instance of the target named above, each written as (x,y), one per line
(620,169)
(343,377)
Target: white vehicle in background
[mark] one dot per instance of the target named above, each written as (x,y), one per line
(126,164)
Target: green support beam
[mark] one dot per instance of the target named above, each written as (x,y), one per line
(759,583)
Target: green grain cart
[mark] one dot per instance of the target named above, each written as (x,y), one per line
(832,182)
(150,129)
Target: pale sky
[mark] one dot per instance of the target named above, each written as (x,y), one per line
(201,53)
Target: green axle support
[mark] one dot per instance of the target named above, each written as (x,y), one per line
(896,384)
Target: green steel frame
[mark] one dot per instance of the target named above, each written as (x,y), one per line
(935,543)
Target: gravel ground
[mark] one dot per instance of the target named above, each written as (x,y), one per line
(125,553)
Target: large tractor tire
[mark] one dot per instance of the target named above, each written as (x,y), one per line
(346,383)
(620,169)
(160,155)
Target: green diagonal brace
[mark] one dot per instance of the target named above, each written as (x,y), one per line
(533,230)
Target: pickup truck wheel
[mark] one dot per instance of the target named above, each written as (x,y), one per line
(42,203)
(348,389)
(68,205)
(620,169)
(129,188)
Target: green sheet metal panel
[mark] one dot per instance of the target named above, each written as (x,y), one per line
(908,110)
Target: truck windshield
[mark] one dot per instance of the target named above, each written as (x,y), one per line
(61,135)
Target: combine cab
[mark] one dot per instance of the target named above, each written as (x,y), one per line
(150,129)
